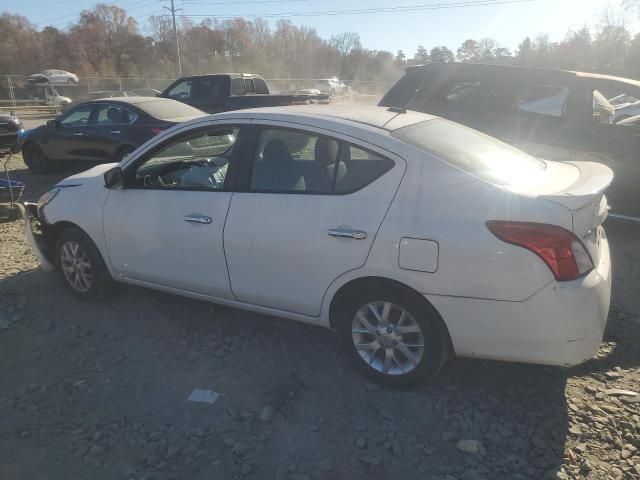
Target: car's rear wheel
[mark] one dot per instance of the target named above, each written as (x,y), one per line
(35,159)
(82,268)
(392,336)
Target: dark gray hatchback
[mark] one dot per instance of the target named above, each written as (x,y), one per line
(552,114)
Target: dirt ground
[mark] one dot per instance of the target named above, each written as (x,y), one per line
(100,391)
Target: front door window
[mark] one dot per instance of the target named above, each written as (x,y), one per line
(198,161)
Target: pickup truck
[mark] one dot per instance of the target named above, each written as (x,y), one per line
(553,114)
(231,91)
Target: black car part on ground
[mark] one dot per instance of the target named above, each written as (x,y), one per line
(10,126)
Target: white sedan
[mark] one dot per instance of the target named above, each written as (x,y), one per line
(332,87)
(413,237)
(56,77)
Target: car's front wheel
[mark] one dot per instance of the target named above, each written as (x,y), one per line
(392,336)
(81,265)
(35,159)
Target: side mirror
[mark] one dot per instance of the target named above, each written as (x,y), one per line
(113,179)
(51,124)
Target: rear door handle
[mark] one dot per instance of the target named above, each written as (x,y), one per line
(198,219)
(78,134)
(115,132)
(347,233)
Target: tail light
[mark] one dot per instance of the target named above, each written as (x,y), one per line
(156,131)
(563,252)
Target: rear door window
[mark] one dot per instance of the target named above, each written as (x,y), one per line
(237,86)
(248,85)
(543,99)
(260,86)
(207,88)
(362,167)
(457,92)
(113,115)
(291,161)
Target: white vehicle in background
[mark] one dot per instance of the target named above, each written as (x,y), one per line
(412,236)
(332,86)
(55,77)
(624,111)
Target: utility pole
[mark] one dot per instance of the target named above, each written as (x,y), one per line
(173,11)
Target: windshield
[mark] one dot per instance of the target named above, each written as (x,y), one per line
(471,151)
(165,109)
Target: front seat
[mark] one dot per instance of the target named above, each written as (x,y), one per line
(277,170)
(322,176)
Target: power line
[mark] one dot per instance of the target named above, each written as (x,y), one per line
(243,2)
(362,11)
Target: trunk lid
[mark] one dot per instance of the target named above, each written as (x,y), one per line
(579,187)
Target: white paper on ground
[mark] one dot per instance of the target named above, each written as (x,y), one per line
(203,396)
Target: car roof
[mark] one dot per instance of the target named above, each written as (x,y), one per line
(131,100)
(232,75)
(371,116)
(515,68)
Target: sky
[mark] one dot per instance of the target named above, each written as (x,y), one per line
(507,23)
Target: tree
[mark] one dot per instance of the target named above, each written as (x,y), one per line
(486,48)
(345,43)
(401,58)
(441,54)
(612,40)
(525,54)
(421,56)
(469,51)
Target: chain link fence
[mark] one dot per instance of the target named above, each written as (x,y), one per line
(18,93)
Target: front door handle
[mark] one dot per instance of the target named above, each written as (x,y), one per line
(198,219)
(347,233)
(115,132)
(78,134)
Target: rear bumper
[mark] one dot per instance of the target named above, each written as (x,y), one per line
(38,241)
(562,324)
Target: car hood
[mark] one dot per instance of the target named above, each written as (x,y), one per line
(88,176)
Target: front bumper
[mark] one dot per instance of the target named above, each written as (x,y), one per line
(562,324)
(38,241)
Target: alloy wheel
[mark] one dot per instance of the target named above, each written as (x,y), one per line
(387,338)
(76,266)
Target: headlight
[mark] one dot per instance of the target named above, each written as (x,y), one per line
(45,199)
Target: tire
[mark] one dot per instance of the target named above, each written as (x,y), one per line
(81,266)
(357,324)
(121,152)
(35,159)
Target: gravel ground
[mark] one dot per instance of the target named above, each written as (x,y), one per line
(99,391)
